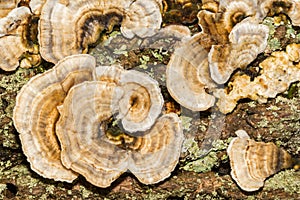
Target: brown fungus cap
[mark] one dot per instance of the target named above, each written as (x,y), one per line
(156,154)
(217,20)
(35,114)
(69,27)
(277,73)
(234,11)
(273,7)
(12,42)
(36,6)
(140,103)
(6,6)
(87,150)
(252,162)
(188,77)
(83,148)
(247,40)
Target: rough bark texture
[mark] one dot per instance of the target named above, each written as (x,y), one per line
(200,174)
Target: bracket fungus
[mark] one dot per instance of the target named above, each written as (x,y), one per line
(277,72)
(87,150)
(35,113)
(139,102)
(187,75)
(7,6)
(36,6)
(69,27)
(252,162)
(247,40)
(62,116)
(272,7)
(234,11)
(12,41)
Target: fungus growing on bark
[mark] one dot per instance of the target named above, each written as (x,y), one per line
(272,7)
(69,27)
(277,73)
(12,41)
(88,150)
(252,162)
(140,103)
(247,40)
(187,75)
(7,6)
(35,114)
(218,19)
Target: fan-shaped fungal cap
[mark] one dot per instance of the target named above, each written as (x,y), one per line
(141,102)
(234,11)
(252,162)
(143,18)
(87,150)
(83,148)
(187,75)
(272,7)
(69,27)
(6,6)
(36,6)
(109,73)
(155,155)
(218,20)
(12,44)
(35,114)
(277,72)
(247,40)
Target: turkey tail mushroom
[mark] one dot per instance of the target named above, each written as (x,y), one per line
(35,114)
(252,162)
(69,27)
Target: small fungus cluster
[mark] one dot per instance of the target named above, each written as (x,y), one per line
(69,27)
(277,73)
(252,162)
(74,102)
(231,38)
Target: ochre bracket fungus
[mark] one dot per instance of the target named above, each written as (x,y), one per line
(63,119)
(7,6)
(252,162)
(277,72)
(272,7)
(232,37)
(35,113)
(187,76)
(12,41)
(139,103)
(36,6)
(247,40)
(87,150)
(69,27)
(234,11)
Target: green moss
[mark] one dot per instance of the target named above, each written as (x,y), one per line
(10,85)
(186,122)
(274,44)
(269,21)
(288,180)
(203,164)
(85,192)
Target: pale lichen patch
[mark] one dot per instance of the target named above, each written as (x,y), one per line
(288,180)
